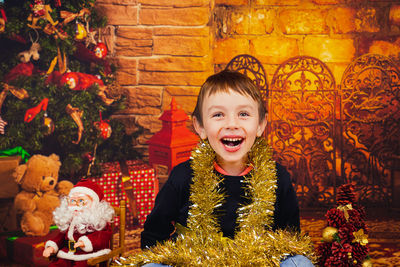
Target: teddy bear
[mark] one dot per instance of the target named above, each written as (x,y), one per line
(40,193)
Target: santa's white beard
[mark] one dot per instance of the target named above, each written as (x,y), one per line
(87,219)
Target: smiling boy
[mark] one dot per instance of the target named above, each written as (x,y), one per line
(229,186)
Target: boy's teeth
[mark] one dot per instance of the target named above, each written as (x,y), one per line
(232,141)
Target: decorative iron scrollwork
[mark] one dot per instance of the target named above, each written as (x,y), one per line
(302,104)
(251,67)
(371,126)
(370,89)
(326,135)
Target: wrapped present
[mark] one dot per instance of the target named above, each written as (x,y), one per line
(144,186)
(8,190)
(27,250)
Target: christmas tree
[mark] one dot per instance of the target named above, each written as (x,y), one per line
(344,240)
(57,88)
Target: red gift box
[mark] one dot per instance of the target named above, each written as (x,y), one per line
(27,250)
(144,186)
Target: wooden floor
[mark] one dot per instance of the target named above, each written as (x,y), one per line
(384,238)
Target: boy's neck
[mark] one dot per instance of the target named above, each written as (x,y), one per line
(232,170)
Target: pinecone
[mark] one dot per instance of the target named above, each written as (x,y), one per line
(335,218)
(340,255)
(356,219)
(345,233)
(324,252)
(360,252)
(345,195)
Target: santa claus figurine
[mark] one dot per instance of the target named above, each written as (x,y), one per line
(84,221)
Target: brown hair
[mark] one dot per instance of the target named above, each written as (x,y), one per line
(223,82)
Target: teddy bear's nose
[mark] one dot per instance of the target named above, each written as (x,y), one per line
(51,182)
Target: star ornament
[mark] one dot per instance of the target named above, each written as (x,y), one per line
(360,237)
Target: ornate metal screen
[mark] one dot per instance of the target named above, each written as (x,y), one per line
(370,135)
(327,135)
(251,67)
(301,127)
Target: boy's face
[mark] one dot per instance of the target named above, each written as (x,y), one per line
(230,123)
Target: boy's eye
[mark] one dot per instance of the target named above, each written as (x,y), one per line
(217,115)
(244,114)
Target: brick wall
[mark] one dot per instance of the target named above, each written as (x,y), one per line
(166,48)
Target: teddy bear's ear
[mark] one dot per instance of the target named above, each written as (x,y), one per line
(19,173)
(56,158)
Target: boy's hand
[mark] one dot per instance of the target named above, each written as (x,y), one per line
(48,251)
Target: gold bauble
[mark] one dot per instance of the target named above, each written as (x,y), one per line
(81,32)
(367,263)
(328,233)
(2,25)
(48,122)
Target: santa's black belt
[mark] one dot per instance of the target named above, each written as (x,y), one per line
(70,245)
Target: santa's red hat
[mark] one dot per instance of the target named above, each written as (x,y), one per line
(89,188)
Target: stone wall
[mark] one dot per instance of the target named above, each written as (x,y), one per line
(167,48)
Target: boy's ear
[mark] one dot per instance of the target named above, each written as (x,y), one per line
(199,128)
(261,126)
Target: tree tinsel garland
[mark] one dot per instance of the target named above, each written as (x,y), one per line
(202,243)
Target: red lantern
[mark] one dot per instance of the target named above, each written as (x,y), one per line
(174,142)
(100,50)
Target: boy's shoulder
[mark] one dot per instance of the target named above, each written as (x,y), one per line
(183,167)
(181,173)
(282,175)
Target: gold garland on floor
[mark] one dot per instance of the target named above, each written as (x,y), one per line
(202,243)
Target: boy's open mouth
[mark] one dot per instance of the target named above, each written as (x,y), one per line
(232,142)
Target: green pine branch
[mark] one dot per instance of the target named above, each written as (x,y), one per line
(34,136)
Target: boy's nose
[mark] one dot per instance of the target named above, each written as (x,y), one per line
(232,122)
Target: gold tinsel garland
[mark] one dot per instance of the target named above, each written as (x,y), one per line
(202,243)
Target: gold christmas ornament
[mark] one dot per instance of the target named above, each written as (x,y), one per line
(360,237)
(202,242)
(2,25)
(367,263)
(76,114)
(81,32)
(328,233)
(345,209)
(49,123)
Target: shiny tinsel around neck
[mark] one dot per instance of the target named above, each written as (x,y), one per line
(202,243)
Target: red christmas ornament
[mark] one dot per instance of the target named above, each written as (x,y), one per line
(38,8)
(104,128)
(31,113)
(88,157)
(100,50)
(85,54)
(22,69)
(79,81)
